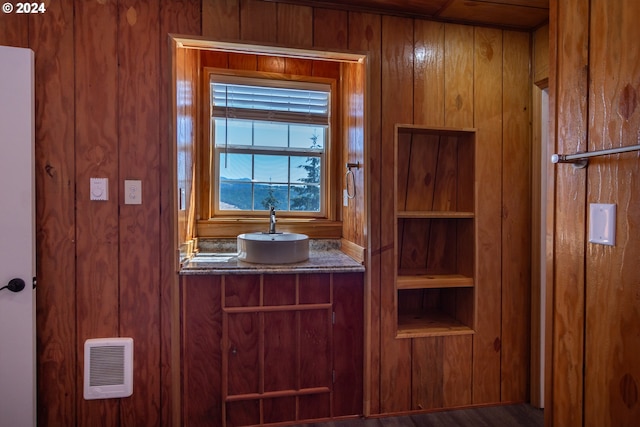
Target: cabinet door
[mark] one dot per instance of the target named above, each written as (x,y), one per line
(201,352)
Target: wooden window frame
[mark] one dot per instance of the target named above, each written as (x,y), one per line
(212,224)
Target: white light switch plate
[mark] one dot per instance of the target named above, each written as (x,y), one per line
(99,188)
(132,192)
(602,223)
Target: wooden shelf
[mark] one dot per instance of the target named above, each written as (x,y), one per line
(434,214)
(427,281)
(429,324)
(430,130)
(435,236)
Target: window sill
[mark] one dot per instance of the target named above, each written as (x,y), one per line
(231,227)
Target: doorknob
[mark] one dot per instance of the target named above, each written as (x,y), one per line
(14,285)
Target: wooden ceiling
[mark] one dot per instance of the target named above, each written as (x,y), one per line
(518,14)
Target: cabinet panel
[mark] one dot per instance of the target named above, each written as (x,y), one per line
(243,370)
(279,289)
(314,288)
(315,406)
(280,337)
(315,350)
(241,413)
(241,290)
(279,410)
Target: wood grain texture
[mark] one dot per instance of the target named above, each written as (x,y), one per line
(258,21)
(96,155)
(441,372)
(220,19)
(488,119)
(175,18)
(397,81)
(498,13)
(278,347)
(185,137)
(354,151)
(315,349)
(348,330)
(612,344)
(516,211)
(569,97)
(458,75)
(330,28)
(541,56)
(138,119)
(295,25)
(201,352)
(365,35)
(428,69)
(244,367)
(51,37)
(14,29)
(523,15)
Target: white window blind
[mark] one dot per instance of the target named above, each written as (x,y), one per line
(276,104)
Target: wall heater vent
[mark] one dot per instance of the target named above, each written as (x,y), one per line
(108,368)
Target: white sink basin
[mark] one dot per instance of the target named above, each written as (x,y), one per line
(278,248)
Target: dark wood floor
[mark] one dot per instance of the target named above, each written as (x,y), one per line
(494,416)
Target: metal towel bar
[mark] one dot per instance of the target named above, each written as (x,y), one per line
(580,160)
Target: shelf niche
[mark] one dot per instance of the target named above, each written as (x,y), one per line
(434,230)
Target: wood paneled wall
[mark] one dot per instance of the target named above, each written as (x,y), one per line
(105,268)
(594,77)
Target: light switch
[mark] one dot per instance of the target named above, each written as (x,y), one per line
(132,192)
(602,223)
(99,188)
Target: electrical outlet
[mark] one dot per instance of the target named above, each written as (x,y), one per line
(132,192)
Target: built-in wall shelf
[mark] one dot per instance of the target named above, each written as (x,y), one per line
(431,324)
(434,214)
(426,281)
(434,219)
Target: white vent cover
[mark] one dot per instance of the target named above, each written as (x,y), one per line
(108,368)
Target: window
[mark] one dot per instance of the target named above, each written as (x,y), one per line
(269,140)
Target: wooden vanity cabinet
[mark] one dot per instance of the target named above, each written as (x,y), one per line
(271,348)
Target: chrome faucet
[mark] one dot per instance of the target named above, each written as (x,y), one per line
(272,220)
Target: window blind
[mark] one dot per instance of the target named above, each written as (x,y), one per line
(276,104)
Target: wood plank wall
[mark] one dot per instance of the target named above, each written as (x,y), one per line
(102,110)
(105,269)
(593,101)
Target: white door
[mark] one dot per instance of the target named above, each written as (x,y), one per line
(17,238)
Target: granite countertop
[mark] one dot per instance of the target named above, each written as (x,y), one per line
(220,257)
